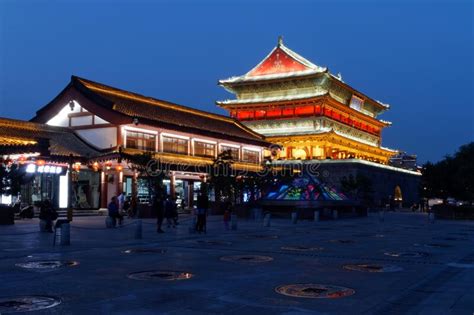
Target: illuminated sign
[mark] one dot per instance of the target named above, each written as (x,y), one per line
(49,169)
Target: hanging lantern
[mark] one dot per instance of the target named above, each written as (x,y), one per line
(76,166)
(119,168)
(108,165)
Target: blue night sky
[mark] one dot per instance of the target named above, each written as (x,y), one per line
(415,55)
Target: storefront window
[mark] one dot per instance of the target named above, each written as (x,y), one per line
(250,156)
(86,190)
(204,149)
(140,140)
(233,151)
(175,145)
(40,187)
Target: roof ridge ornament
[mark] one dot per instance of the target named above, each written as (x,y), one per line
(280,41)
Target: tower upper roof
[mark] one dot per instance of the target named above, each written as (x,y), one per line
(281,62)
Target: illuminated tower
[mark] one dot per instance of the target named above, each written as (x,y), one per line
(310,112)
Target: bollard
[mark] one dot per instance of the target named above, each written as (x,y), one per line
(316,216)
(294,217)
(233,222)
(267,219)
(334,214)
(381,215)
(42,225)
(138,230)
(257,214)
(65,234)
(431,217)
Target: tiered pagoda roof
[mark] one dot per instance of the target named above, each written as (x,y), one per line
(282,64)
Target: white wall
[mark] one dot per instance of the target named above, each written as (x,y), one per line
(102,138)
(62,119)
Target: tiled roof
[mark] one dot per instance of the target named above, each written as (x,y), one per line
(62,141)
(162,113)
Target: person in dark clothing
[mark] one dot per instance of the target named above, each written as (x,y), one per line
(127,206)
(202,207)
(158,206)
(169,212)
(48,214)
(114,211)
(175,211)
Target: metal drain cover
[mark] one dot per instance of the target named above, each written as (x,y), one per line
(433,245)
(314,291)
(461,265)
(47,264)
(368,235)
(29,303)
(145,251)
(450,238)
(343,241)
(213,242)
(373,268)
(247,259)
(166,275)
(407,254)
(261,236)
(302,248)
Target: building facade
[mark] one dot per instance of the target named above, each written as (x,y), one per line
(118,123)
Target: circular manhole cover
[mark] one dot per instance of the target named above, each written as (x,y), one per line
(47,264)
(29,303)
(343,241)
(433,245)
(213,242)
(145,251)
(261,236)
(407,254)
(247,259)
(302,248)
(314,291)
(459,233)
(462,265)
(373,268)
(167,275)
(450,238)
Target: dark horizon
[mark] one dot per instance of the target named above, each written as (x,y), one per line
(415,56)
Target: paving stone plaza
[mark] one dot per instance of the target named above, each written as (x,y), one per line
(403,265)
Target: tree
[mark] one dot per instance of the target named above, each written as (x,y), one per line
(149,169)
(222,178)
(451,177)
(358,188)
(11,177)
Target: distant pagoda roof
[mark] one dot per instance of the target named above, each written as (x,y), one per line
(122,107)
(281,62)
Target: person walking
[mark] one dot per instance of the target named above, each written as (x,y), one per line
(113,210)
(158,206)
(226,219)
(202,207)
(48,214)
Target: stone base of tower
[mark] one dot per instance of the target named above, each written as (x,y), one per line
(388,185)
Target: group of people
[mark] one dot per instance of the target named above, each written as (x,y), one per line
(165,209)
(120,206)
